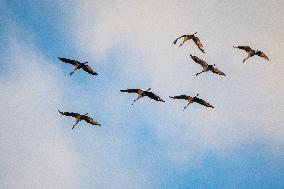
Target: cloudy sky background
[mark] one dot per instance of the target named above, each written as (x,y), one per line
(238,144)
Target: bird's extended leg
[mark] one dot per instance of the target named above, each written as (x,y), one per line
(75,124)
(246,59)
(136,99)
(184,40)
(73,71)
(200,72)
(182,43)
(186,106)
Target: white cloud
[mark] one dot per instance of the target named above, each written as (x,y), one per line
(248,101)
(35,152)
(38,148)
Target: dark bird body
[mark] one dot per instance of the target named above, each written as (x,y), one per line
(78,65)
(252,52)
(142,93)
(191,100)
(206,67)
(195,39)
(80,117)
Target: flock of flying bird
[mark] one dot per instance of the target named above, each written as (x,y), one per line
(141,93)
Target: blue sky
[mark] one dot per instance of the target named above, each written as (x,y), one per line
(238,144)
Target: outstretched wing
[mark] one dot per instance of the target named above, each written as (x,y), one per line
(153,96)
(69,114)
(217,71)
(88,69)
(130,90)
(261,54)
(179,97)
(73,62)
(175,41)
(198,43)
(202,102)
(245,48)
(90,120)
(199,61)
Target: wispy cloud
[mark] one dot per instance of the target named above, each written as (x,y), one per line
(38,148)
(35,152)
(129,44)
(247,100)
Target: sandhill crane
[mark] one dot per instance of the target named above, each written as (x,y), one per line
(80,117)
(78,65)
(251,52)
(191,100)
(142,93)
(206,67)
(195,39)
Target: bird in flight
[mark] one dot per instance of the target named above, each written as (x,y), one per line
(195,39)
(191,100)
(80,117)
(251,52)
(78,65)
(206,67)
(142,93)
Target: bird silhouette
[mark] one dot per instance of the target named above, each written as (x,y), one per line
(195,39)
(78,65)
(142,93)
(80,117)
(191,100)
(206,67)
(252,52)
